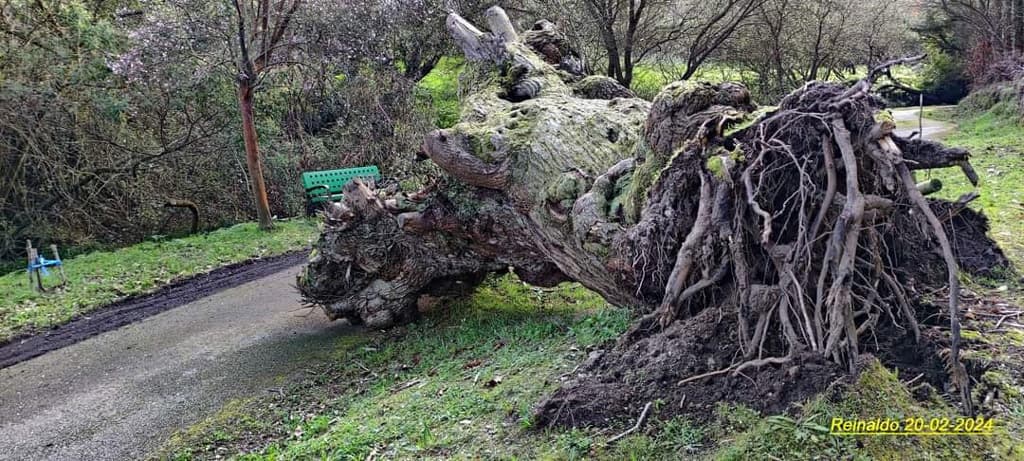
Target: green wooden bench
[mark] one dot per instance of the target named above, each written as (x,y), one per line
(325,186)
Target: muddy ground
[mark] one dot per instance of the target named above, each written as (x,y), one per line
(612,386)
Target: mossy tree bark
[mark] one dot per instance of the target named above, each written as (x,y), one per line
(800,221)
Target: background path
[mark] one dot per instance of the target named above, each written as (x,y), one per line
(907,122)
(120,394)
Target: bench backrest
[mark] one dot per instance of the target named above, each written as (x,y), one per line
(336,179)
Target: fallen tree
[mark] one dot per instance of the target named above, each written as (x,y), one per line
(788,234)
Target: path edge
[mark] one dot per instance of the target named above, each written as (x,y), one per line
(135,308)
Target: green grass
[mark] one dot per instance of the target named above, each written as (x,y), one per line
(99,278)
(996,141)
(441,87)
(877,393)
(648,80)
(941,113)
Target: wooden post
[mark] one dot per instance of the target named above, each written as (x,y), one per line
(56,255)
(33,255)
(31,259)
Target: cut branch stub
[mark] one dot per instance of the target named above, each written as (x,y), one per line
(500,25)
(476,45)
(451,151)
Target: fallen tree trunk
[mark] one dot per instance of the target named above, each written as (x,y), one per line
(802,224)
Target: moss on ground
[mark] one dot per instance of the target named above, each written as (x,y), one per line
(877,393)
(99,278)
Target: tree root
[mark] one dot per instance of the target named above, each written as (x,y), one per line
(639,423)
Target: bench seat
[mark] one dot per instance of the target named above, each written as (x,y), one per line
(325,186)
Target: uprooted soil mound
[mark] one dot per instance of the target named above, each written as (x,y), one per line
(612,386)
(967,229)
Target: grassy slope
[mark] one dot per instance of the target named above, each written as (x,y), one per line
(996,142)
(441,87)
(648,80)
(98,278)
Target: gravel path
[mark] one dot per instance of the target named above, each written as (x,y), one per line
(120,394)
(907,122)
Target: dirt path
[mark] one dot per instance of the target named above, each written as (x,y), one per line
(120,394)
(907,123)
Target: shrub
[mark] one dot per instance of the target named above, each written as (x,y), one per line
(943,81)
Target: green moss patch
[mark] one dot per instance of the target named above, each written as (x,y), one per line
(877,393)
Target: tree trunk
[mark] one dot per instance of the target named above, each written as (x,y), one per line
(252,155)
(1018,26)
(795,224)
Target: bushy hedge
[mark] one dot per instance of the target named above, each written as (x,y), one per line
(90,156)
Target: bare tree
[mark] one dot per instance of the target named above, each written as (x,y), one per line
(791,42)
(84,129)
(997,23)
(986,35)
(241,38)
(708,33)
(630,31)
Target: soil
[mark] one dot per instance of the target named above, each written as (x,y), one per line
(136,308)
(968,232)
(612,387)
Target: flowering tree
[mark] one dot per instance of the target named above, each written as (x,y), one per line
(245,37)
(261,31)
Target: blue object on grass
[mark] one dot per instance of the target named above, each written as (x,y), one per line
(41,263)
